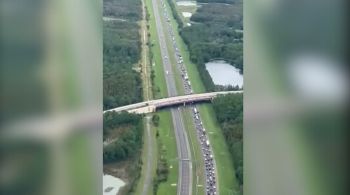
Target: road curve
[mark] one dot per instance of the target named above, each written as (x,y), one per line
(184,186)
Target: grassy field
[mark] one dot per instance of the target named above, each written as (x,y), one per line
(227,182)
(167,136)
(144,160)
(157,66)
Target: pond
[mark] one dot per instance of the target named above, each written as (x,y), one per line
(222,73)
(187,14)
(186,3)
(111,185)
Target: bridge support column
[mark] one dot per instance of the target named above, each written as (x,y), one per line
(152,108)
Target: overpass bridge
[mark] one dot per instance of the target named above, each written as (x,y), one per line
(153,105)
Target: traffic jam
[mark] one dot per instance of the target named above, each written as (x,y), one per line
(201,132)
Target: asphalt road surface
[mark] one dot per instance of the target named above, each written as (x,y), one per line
(206,150)
(184,186)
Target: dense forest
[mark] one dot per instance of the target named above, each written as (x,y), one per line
(229,113)
(121,52)
(128,131)
(122,135)
(122,132)
(122,9)
(215,33)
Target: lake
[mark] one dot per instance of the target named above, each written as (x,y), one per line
(224,74)
(111,185)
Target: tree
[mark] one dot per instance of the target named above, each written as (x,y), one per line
(155,120)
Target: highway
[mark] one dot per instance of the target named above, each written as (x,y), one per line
(208,156)
(184,186)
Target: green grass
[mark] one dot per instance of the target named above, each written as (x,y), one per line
(167,136)
(165,128)
(159,80)
(144,160)
(153,143)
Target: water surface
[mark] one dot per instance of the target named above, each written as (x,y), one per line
(187,14)
(224,74)
(111,185)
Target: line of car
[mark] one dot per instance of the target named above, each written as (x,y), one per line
(201,132)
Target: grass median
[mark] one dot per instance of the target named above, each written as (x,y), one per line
(165,130)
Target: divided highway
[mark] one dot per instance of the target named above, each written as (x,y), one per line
(206,150)
(184,186)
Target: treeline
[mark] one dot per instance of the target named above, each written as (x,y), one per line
(229,113)
(121,51)
(176,14)
(215,33)
(128,142)
(162,171)
(123,134)
(123,9)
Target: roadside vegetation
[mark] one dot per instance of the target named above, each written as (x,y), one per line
(228,152)
(166,175)
(229,114)
(162,170)
(215,33)
(122,84)
(123,9)
(122,133)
